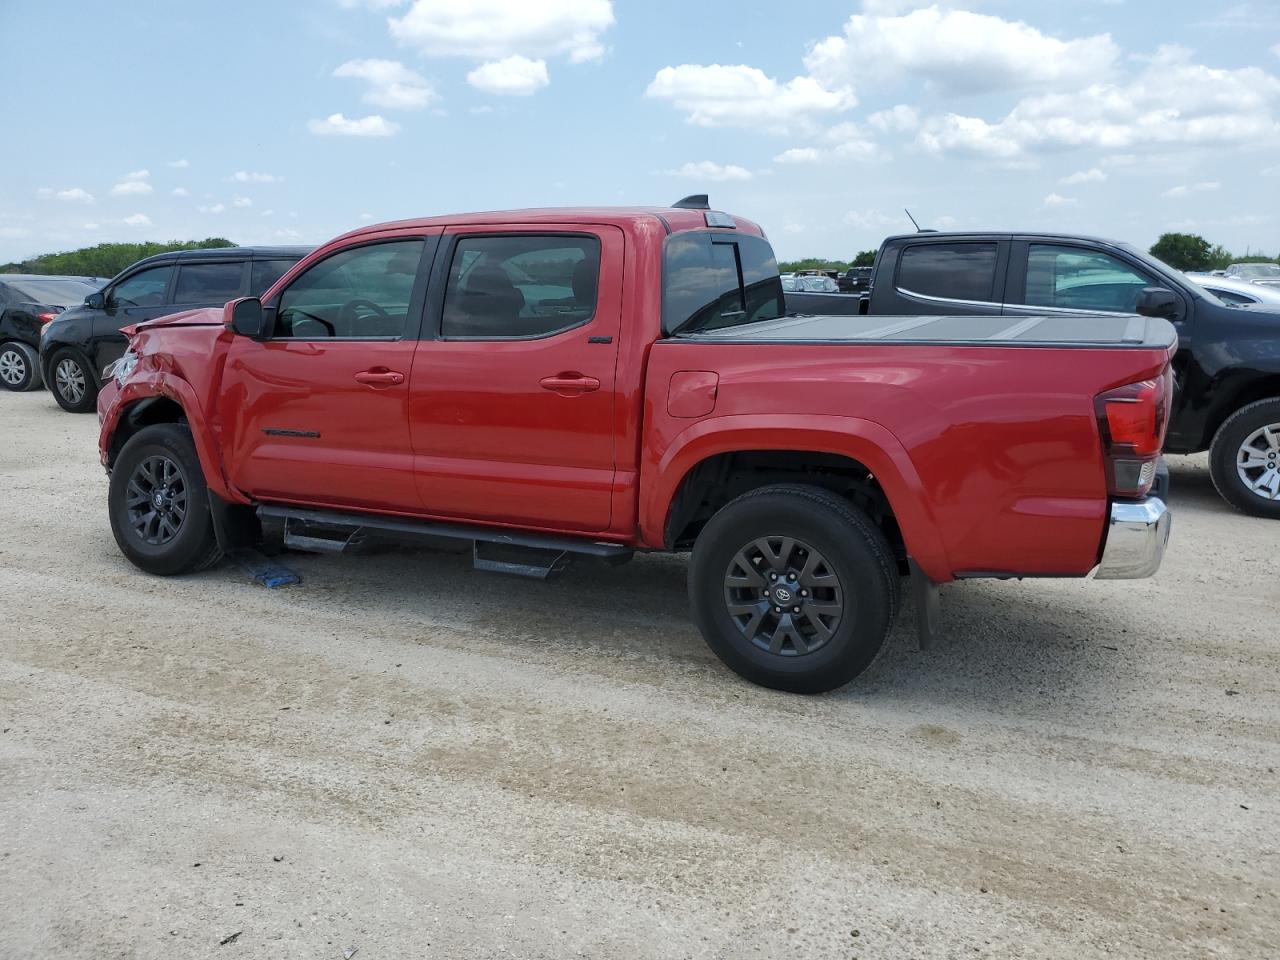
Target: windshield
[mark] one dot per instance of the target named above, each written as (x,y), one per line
(713,280)
(53,292)
(1258,271)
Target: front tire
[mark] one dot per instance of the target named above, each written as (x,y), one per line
(19,367)
(159,503)
(71,382)
(793,588)
(1244,459)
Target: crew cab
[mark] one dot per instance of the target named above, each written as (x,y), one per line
(1227,368)
(555,384)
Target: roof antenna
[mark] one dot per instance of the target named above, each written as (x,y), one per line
(912,219)
(695,201)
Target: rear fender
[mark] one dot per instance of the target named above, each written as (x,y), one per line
(862,440)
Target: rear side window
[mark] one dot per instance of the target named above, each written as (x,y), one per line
(265,273)
(952,271)
(716,280)
(520,287)
(208,282)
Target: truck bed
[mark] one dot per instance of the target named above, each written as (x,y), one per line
(1050,330)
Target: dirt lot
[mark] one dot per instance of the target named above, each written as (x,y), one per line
(409,758)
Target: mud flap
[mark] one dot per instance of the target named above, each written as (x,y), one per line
(928,608)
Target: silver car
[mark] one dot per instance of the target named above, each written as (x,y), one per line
(1268,273)
(1235,291)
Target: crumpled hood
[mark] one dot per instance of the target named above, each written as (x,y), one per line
(203,317)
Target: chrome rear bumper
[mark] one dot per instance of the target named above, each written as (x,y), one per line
(1136,538)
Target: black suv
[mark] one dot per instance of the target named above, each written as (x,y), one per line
(78,345)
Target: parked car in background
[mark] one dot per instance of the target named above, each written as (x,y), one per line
(1268,273)
(1227,368)
(77,346)
(1236,292)
(555,383)
(855,280)
(790,283)
(816,283)
(27,304)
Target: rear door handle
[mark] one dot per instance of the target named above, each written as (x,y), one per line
(380,378)
(568,384)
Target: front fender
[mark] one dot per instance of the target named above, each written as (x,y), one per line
(867,442)
(115,403)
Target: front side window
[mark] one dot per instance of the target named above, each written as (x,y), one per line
(358,293)
(1078,279)
(146,288)
(208,282)
(951,271)
(716,280)
(520,287)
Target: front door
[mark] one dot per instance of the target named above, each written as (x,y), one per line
(512,400)
(318,414)
(140,296)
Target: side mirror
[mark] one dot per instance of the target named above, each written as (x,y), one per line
(96,301)
(246,318)
(1158,302)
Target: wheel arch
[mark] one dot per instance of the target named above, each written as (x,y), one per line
(721,458)
(1264,387)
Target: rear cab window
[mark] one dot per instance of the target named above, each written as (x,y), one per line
(717,279)
(962,270)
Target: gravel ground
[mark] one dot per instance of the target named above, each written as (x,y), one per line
(406,757)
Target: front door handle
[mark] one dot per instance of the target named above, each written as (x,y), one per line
(380,378)
(570,384)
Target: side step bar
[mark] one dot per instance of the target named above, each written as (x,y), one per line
(494,549)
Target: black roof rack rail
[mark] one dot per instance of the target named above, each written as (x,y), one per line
(695,201)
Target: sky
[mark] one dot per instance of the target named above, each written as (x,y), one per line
(291,121)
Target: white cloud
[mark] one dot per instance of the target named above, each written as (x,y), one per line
(1170,101)
(899,119)
(180,164)
(366,216)
(956,51)
(496,29)
(133,183)
(70,194)
(709,170)
(799,155)
(138,220)
(850,142)
(249,176)
(792,228)
(1057,200)
(131,188)
(390,84)
(515,75)
(876,219)
(1275,51)
(180,192)
(337,124)
(242,202)
(743,96)
(287,233)
(1185,190)
(215,208)
(1092,175)
(88,226)
(371,4)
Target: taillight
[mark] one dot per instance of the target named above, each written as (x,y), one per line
(46,317)
(1132,420)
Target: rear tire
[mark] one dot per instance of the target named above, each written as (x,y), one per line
(159,504)
(19,367)
(1244,459)
(71,382)
(793,588)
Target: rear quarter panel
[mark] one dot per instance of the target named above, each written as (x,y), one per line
(990,456)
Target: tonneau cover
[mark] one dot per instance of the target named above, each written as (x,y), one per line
(1076,329)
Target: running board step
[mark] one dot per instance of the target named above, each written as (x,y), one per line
(339,532)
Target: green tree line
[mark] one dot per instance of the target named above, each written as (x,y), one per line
(105,259)
(1190,251)
(864,259)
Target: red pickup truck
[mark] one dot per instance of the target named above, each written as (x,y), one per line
(549,384)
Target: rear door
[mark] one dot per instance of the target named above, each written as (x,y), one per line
(943,276)
(318,414)
(512,399)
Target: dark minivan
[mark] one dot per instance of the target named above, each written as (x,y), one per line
(79,344)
